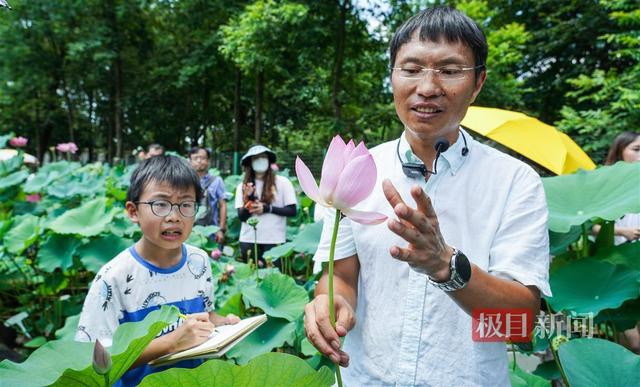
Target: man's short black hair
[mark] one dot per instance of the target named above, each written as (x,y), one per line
(172,170)
(155,146)
(446,23)
(196,149)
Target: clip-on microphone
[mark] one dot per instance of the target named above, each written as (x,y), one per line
(416,170)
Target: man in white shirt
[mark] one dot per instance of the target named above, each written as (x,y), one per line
(409,290)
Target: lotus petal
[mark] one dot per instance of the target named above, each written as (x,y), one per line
(360,150)
(307,182)
(346,155)
(332,167)
(356,182)
(364,217)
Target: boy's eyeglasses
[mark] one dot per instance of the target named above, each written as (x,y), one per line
(162,208)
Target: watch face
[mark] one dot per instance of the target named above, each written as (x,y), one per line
(463,267)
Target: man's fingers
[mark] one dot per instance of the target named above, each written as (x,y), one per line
(314,335)
(391,193)
(423,202)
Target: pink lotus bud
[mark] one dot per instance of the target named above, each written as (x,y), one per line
(18,142)
(101,359)
(229,269)
(216,254)
(275,167)
(33,198)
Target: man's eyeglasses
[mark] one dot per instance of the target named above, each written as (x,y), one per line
(162,208)
(444,73)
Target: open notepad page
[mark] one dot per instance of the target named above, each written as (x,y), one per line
(221,340)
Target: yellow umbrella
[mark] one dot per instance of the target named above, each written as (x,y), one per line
(530,137)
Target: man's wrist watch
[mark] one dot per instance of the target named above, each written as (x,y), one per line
(460,273)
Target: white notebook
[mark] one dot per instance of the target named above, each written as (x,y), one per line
(222,339)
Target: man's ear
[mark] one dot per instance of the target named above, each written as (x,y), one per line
(132,211)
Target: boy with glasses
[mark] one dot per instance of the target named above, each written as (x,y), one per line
(159,269)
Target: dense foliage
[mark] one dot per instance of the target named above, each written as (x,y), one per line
(113,75)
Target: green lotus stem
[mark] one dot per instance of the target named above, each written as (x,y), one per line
(332,312)
(106,380)
(557,360)
(585,242)
(513,350)
(255,250)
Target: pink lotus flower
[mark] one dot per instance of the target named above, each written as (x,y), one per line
(348,177)
(275,167)
(67,147)
(34,198)
(216,254)
(18,142)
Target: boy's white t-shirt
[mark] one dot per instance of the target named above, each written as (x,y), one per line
(272,229)
(128,288)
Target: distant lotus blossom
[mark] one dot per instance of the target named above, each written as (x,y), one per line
(229,269)
(18,142)
(216,254)
(67,147)
(275,167)
(33,198)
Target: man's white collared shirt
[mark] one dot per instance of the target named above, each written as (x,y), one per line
(490,206)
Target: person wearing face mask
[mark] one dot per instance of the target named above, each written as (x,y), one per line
(267,196)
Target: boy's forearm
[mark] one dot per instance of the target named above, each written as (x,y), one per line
(158,347)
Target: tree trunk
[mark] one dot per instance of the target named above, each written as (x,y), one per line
(117,116)
(259,100)
(116,68)
(67,100)
(339,59)
(205,112)
(236,112)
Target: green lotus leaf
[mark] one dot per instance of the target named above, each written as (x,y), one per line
(548,370)
(597,362)
(13,179)
(5,138)
(36,342)
(85,184)
(588,285)
(10,165)
(308,238)
(272,334)
(24,232)
(68,331)
(278,296)
(69,363)
(87,220)
(624,317)
(122,226)
(269,369)
(521,378)
(558,242)
(233,305)
(101,250)
(200,235)
(625,254)
(280,251)
(40,181)
(576,198)
(57,252)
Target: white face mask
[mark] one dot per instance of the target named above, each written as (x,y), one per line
(260,165)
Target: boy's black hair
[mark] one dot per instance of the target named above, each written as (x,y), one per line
(196,149)
(166,169)
(446,23)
